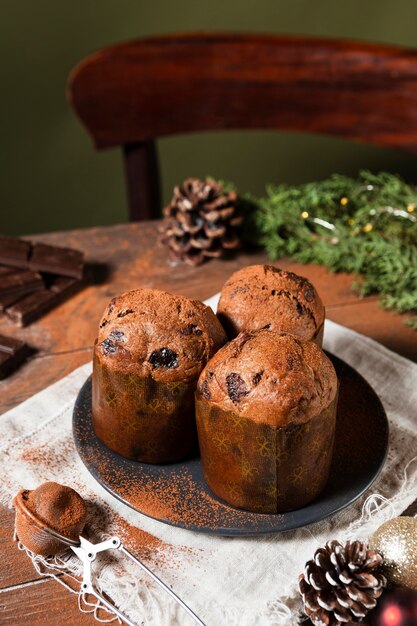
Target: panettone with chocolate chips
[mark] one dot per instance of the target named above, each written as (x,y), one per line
(266,411)
(151,348)
(263,296)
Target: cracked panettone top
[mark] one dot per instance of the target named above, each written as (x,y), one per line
(263,296)
(271,378)
(151,332)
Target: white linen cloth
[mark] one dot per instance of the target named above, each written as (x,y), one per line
(226,581)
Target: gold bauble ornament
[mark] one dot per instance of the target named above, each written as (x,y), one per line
(396,540)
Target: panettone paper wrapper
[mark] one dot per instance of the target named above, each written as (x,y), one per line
(143,419)
(260,467)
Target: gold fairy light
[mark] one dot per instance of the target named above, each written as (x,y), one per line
(410,208)
(367,228)
(344,201)
(304,215)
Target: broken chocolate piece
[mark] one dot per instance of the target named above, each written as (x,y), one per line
(4,269)
(204,390)
(27,309)
(31,307)
(20,283)
(108,346)
(164,358)
(6,301)
(56,260)
(12,353)
(236,387)
(10,344)
(14,252)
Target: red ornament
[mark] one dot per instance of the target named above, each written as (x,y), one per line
(396,608)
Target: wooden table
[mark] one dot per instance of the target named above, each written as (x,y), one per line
(126,257)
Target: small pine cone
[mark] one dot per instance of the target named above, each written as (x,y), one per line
(341,584)
(201,221)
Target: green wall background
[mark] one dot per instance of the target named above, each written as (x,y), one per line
(52,179)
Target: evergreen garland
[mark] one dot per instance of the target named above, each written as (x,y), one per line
(367,226)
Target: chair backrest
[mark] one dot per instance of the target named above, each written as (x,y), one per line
(132,93)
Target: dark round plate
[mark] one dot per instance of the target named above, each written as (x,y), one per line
(177,494)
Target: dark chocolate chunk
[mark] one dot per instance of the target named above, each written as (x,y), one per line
(309,294)
(20,283)
(164,358)
(14,252)
(236,387)
(11,345)
(204,390)
(257,378)
(291,361)
(124,313)
(12,353)
(57,260)
(118,335)
(108,346)
(191,329)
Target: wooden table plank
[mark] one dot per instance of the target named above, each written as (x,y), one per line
(41,603)
(38,373)
(64,338)
(134,259)
(22,570)
(388,328)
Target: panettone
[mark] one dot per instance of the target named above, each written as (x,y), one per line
(263,296)
(151,348)
(266,411)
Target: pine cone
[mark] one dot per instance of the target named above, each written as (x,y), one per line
(201,221)
(341,584)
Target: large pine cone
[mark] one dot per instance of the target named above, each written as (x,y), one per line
(201,221)
(341,584)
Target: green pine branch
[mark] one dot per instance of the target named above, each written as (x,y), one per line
(366,226)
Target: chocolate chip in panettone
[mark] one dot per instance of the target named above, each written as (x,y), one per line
(236,387)
(164,358)
(204,390)
(117,335)
(126,312)
(257,378)
(191,329)
(108,346)
(309,294)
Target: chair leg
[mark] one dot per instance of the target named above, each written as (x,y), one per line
(142,173)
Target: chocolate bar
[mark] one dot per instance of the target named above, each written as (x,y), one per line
(6,301)
(12,353)
(20,283)
(33,306)
(64,261)
(14,252)
(7,270)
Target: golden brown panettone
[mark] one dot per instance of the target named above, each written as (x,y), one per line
(266,411)
(151,348)
(263,296)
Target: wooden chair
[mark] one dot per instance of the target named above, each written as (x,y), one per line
(132,93)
